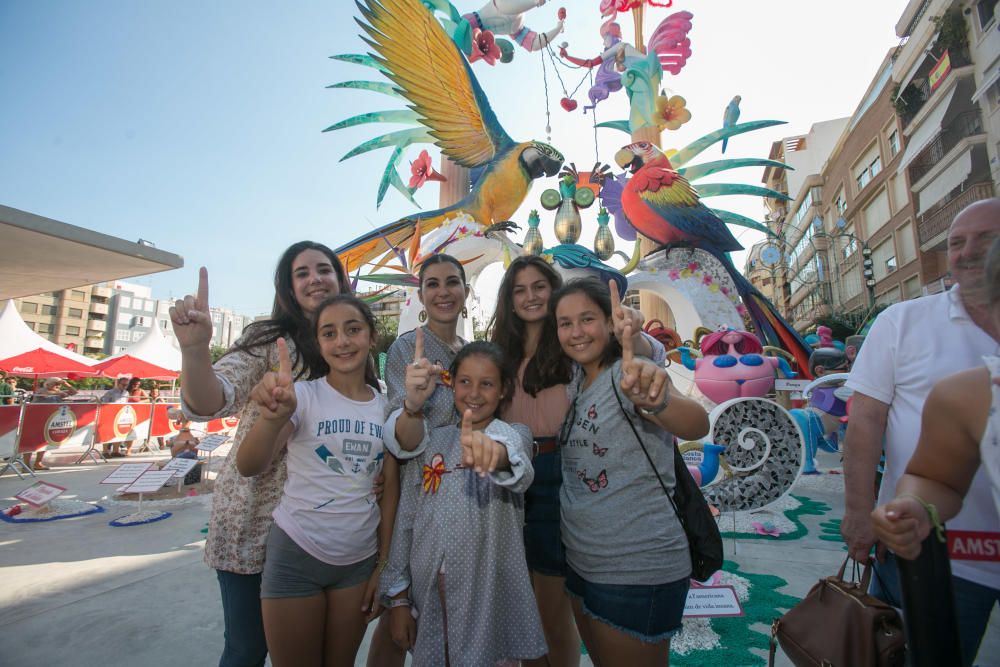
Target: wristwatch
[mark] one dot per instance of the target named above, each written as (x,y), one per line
(657,409)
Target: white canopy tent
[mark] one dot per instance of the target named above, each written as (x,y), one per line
(16,338)
(156,348)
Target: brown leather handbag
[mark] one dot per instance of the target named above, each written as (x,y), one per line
(838,624)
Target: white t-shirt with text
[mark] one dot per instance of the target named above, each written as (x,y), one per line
(328,507)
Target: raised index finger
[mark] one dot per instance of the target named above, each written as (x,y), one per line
(627,352)
(284,363)
(467,423)
(418,347)
(616,300)
(202,299)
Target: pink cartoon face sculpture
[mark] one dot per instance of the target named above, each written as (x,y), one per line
(733,366)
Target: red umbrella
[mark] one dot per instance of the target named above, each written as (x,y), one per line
(126,364)
(40,363)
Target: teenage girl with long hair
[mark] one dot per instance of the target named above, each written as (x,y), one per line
(306,274)
(521,326)
(626,552)
(328,534)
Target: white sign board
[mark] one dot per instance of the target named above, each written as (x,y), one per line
(126,473)
(712,602)
(40,494)
(180,467)
(150,481)
(212,442)
(786,384)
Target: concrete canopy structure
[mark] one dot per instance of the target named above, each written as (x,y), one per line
(39,255)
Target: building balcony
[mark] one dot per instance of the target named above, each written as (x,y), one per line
(968,124)
(97,326)
(96,342)
(98,292)
(932,228)
(98,308)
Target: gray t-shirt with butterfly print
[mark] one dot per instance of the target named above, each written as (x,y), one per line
(617,525)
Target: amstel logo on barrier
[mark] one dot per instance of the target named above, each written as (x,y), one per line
(60,426)
(125,421)
(230,422)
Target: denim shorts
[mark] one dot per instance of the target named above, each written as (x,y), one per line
(291,572)
(542,539)
(650,613)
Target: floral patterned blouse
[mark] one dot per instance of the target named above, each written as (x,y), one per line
(242,506)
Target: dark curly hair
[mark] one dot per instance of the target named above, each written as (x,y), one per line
(314,359)
(548,365)
(287,319)
(596,291)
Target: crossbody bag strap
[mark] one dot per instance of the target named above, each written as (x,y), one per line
(643,446)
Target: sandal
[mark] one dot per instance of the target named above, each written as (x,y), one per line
(41,466)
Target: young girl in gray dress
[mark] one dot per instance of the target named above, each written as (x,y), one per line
(457,558)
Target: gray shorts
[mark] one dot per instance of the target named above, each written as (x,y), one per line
(291,572)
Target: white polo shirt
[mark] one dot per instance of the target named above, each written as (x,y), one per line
(910,347)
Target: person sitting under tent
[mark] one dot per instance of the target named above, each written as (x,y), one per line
(117,394)
(184,445)
(53,391)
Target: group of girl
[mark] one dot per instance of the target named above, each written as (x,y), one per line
(495,501)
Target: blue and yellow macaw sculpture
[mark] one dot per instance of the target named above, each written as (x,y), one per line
(413,50)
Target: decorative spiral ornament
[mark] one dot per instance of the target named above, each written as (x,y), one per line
(763,450)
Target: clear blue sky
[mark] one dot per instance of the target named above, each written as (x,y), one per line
(197,125)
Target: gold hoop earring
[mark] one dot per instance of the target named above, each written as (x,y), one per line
(422,316)
(465,313)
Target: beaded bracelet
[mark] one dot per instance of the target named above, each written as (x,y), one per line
(932,512)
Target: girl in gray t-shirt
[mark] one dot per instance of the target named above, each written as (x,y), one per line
(627,553)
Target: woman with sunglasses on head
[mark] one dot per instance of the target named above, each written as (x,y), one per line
(522,327)
(307,273)
(442,292)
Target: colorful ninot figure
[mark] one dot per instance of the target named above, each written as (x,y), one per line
(733,365)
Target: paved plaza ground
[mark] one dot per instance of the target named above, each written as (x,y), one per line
(78,592)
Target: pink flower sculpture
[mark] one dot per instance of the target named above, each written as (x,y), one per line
(484,46)
(707,279)
(421,171)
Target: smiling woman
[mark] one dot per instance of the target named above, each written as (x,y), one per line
(307,273)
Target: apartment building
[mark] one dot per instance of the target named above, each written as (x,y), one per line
(948,98)
(801,276)
(108,318)
(75,318)
(867,212)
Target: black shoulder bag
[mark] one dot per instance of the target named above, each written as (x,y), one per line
(704,540)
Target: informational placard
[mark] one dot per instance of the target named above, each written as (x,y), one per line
(790,384)
(212,442)
(40,494)
(126,473)
(712,602)
(150,481)
(180,467)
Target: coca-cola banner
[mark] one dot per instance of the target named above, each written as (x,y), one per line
(56,425)
(163,426)
(10,417)
(119,422)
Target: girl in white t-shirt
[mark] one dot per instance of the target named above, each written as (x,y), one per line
(331,537)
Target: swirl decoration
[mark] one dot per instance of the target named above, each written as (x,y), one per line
(763,449)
